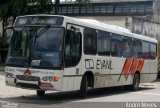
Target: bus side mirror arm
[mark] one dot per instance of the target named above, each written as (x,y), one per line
(75,29)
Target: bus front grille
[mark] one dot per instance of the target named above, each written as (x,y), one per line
(30,78)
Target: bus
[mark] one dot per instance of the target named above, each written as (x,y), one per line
(60,53)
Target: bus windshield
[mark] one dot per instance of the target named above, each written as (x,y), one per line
(36,46)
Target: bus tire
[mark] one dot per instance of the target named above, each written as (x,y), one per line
(40,93)
(84,87)
(135,83)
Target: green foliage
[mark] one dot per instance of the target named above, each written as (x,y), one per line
(13,8)
(18,7)
(4,9)
(42,5)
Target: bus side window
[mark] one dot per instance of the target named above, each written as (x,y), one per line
(116,45)
(145,50)
(72,48)
(153,51)
(90,41)
(68,42)
(137,48)
(127,47)
(103,43)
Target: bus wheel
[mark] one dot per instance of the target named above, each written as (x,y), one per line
(40,93)
(136,81)
(84,87)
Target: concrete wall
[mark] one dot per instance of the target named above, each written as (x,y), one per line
(156,16)
(147,28)
(139,26)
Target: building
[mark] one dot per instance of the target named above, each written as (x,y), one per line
(117,12)
(131,14)
(108,8)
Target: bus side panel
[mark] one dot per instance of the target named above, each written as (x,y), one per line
(65,84)
(96,65)
(74,83)
(144,74)
(103,64)
(117,75)
(153,70)
(77,83)
(68,79)
(71,81)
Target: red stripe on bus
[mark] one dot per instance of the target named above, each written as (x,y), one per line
(140,65)
(127,66)
(134,66)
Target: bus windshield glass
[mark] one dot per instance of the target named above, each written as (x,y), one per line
(36,46)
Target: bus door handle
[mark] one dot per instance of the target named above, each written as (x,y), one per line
(77,71)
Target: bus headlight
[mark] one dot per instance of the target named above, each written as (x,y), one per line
(47,78)
(10,75)
(50,78)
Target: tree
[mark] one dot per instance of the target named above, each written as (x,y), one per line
(4,13)
(14,8)
(18,7)
(43,6)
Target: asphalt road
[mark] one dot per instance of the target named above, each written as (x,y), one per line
(148,94)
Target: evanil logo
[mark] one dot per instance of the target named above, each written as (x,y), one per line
(27,73)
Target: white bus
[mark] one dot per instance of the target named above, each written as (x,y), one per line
(51,52)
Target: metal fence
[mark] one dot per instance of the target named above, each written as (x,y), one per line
(111,9)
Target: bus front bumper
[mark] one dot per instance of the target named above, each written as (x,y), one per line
(36,85)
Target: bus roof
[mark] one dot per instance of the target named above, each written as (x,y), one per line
(101,26)
(109,28)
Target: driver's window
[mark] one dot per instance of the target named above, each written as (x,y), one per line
(76,45)
(68,42)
